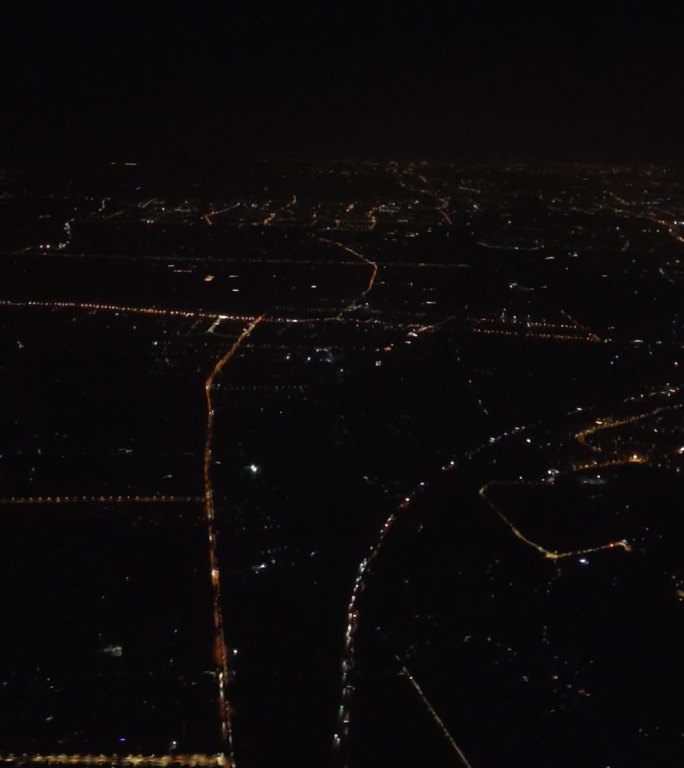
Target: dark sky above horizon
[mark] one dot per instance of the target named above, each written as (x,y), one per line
(335,76)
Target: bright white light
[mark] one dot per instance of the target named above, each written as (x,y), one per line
(253,468)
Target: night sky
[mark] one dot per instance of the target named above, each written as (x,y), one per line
(334,77)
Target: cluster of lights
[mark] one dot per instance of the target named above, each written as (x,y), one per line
(670,227)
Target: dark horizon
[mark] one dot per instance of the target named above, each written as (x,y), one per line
(340,79)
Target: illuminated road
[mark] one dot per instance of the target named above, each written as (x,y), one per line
(153,761)
(444,202)
(122,309)
(372,264)
(601,425)
(550,554)
(101,500)
(540,330)
(211,215)
(220,650)
(271,216)
(634,458)
(583,328)
(349,653)
(194,314)
(618,460)
(534,336)
(424,699)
